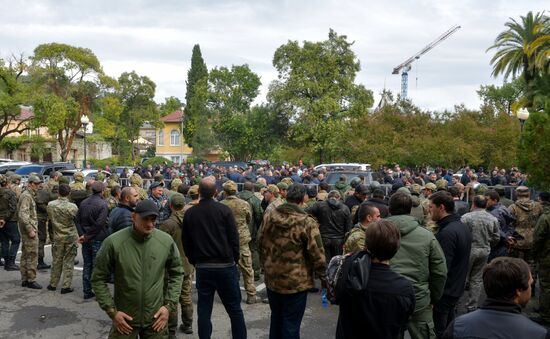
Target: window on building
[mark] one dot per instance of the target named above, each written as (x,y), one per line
(175,159)
(161,138)
(174,137)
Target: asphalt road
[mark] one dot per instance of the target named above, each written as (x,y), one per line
(26,313)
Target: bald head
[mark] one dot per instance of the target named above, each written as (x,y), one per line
(207,188)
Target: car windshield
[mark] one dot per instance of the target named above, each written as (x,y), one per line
(29,169)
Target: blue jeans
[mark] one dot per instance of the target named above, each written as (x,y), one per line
(287,311)
(89,251)
(10,239)
(226,282)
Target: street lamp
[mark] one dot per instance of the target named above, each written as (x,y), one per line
(523,115)
(84,120)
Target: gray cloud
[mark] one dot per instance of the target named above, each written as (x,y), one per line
(155,38)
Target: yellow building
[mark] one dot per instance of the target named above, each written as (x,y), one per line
(169,140)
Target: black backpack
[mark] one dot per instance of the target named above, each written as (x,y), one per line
(347,276)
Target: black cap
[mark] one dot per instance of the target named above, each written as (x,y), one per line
(97,187)
(362,189)
(147,208)
(156,184)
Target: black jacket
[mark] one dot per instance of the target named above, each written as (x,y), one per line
(380,312)
(120,217)
(456,241)
(209,234)
(352,201)
(495,319)
(333,216)
(91,218)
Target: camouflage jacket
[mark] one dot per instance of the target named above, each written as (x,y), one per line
(243,216)
(8,205)
(26,208)
(141,192)
(256,205)
(78,186)
(42,198)
(541,237)
(50,185)
(290,249)
(484,228)
(172,226)
(354,240)
(111,203)
(527,213)
(273,205)
(62,214)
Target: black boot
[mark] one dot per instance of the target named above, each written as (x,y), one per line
(10,264)
(42,265)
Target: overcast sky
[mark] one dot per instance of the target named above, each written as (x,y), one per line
(155,38)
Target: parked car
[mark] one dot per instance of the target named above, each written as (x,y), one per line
(343,167)
(12,166)
(332,177)
(44,169)
(119,169)
(227,164)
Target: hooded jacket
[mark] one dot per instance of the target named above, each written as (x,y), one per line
(290,249)
(421,260)
(334,218)
(526,213)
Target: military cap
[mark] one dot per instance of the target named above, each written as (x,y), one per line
(441,184)
(404,190)
(147,208)
(430,186)
(158,177)
(522,189)
(100,176)
(63,180)
(177,200)
(193,190)
(78,175)
(114,177)
(481,189)
(15,177)
(175,183)
(354,182)
(374,185)
(156,184)
(287,181)
(34,179)
(415,189)
(272,189)
(282,186)
(135,179)
(230,186)
(500,189)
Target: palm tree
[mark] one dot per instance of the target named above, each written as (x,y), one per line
(520,46)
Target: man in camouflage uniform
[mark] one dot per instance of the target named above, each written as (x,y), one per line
(257,217)
(62,213)
(243,217)
(271,196)
(53,181)
(485,234)
(283,187)
(428,223)
(503,199)
(354,240)
(9,234)
(15,184)
(291,251)
(541,250)
(28,227)
(172,226)
(114,197)
(174,184)
(527,213)
(78,184)
(136,182)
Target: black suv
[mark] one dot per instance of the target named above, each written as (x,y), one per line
(44,169)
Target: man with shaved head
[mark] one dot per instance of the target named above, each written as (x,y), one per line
(121,216)
(211,243)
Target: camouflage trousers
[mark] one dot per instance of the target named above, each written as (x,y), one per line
(544,298)
(29,256)
(45,230)
(255,258)
(478,260)
(245,265)
(185,300)
(63,254)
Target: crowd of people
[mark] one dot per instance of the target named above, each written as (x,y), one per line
(430,237)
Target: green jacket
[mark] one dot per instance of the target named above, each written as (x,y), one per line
(421,260)
(541,238)
(139,265)
(257,212)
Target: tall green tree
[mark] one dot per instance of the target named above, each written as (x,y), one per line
(170,105)
(14,92)
(518,49)
(67,80)
(501,99)
(196,112)
(316,90)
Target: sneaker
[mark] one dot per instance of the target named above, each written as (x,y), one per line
(51,288)
(34,285)
(67,290)
(252,299)
(186,329)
